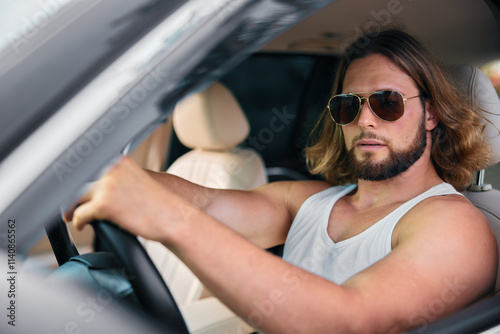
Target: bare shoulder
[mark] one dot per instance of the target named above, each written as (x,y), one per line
(455,231)
(444,212)
(444,245)
(302,190)
(292,194)
(305,189)
(449,214)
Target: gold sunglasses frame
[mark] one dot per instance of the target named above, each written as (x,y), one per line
(361,103)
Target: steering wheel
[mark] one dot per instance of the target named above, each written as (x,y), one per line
(150,288)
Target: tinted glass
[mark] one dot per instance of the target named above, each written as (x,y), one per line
(282,96)
(270,90)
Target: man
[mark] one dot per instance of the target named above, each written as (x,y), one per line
(398,250)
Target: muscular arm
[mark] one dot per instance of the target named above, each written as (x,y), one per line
(438,266)
(444,257)
(262,215)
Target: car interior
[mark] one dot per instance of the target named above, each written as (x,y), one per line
(250,127)
(478,88)
(214,161)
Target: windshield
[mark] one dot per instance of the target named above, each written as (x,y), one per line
(75,94)
(41,66)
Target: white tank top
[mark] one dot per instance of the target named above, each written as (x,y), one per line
(309,246)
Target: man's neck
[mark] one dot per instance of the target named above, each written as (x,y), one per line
(409,184)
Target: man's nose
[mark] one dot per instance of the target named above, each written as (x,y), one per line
(366,117)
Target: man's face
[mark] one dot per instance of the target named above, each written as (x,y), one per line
(394,164)
(379,149)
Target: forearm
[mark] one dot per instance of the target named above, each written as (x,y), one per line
(246,212)
(263,289)
(198,195)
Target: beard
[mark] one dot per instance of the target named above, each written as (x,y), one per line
(396,163)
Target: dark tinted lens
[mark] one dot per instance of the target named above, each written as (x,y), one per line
(388,105)
(344,108)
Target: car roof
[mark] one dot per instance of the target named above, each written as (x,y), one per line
(457,31)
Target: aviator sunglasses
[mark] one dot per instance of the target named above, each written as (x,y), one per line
(388,105)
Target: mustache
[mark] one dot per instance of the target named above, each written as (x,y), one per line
(369,135)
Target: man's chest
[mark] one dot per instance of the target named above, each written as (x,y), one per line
(346,221)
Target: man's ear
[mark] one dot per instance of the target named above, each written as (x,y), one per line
(431,119)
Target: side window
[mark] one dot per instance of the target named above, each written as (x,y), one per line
(492,70)
(282,96)
(270,89)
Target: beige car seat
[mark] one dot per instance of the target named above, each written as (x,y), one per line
(212,124)
(478,88)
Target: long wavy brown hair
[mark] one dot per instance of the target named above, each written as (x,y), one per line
(458,148)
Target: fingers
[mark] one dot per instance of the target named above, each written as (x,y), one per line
(102,196)
(83,215)
(88,208)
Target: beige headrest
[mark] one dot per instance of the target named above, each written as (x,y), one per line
(210,120)
(481,93)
